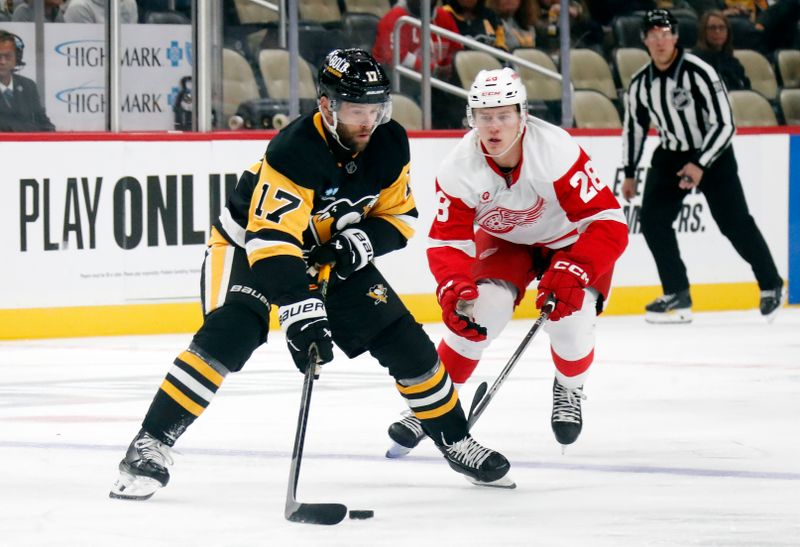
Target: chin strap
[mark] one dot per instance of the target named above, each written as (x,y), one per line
(332,128)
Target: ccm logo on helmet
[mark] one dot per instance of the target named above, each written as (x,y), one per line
(574,269)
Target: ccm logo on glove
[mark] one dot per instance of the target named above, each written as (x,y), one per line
(565,280)
(574,269)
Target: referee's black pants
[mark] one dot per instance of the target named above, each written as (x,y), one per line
(662,202)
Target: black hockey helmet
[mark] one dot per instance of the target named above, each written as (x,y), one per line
(659,18)
(352,75)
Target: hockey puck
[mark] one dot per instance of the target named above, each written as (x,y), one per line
(361,514)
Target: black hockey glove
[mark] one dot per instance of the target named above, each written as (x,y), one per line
(306,325)
(348,251)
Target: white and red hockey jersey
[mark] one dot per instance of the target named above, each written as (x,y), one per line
(553,198)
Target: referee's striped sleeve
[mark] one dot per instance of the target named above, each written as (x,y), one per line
(635,124)
(720,116)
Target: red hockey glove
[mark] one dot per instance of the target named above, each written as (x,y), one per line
(566,281)
(453,295)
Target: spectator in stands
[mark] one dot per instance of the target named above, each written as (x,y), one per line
(759,24)
(749,9)
(20,107)
(584,31)
(53,11)
(474,19)
(94,11)
(676,6)
(777,25)
(518,22)
(715,46)
(410,43)
(604,11)
(702,6)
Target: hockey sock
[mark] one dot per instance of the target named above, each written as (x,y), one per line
(572,374)
(434,401)
(459,368)
(184,394)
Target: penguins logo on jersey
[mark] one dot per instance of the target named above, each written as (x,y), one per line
(379,294)
(339,215)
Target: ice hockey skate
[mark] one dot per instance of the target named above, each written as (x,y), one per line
(566,419)
(143,470)
(670,308)
(480,465)
(405,434)
(771,302)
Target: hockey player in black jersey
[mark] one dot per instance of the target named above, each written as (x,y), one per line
(332,188)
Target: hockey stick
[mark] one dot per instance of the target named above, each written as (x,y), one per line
(311,513)
(482,398)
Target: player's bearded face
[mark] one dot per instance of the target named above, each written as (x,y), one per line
(356,122)
(497,127)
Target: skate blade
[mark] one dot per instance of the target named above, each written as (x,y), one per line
(502,482)
(131,487)
(770,317)
(397,451)
(674,317)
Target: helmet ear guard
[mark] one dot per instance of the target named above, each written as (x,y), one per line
(493,88)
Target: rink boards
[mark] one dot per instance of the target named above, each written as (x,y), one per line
(105,234)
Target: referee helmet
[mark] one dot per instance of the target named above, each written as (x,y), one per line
(659,18)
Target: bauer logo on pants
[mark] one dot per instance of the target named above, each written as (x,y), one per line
(379,294)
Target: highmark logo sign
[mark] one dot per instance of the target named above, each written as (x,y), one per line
(91,99)
(92,54)
(83,99)
(174,53)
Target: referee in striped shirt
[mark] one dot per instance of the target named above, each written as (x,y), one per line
(686,100)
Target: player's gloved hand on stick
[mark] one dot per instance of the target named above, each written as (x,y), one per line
(566,281)
(305,324)
(348,251)
(456,297)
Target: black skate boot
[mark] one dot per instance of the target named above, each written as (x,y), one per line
(771,301)
(405,434)
(670,308)
(480,465)
(566,419)
(143,470)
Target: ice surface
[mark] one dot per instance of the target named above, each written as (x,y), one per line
(690,438)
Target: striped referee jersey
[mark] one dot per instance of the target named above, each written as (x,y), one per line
(687,103)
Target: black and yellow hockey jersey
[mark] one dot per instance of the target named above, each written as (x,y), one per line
(308,188)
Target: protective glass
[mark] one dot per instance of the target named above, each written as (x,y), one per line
(362,113)
(491,117)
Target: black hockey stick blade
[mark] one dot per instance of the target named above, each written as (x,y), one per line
(310,513)
(316,513)
(479,393)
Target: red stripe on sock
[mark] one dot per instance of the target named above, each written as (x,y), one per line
(572,368)
(457,366)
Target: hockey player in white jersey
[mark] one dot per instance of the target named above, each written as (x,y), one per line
(519,199)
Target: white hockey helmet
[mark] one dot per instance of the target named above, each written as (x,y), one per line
(493,88)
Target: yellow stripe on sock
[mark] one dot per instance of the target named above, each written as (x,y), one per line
(439,411)
(202,367)
(181,399)
(424,386)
